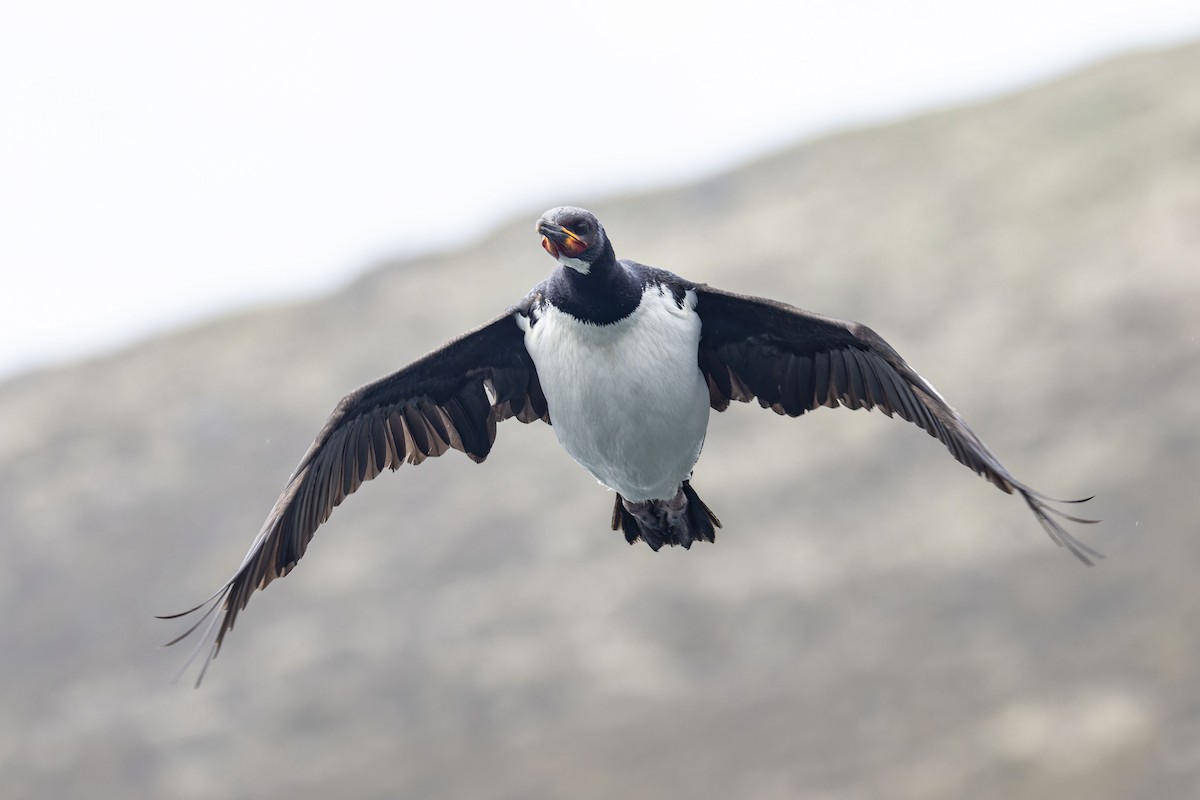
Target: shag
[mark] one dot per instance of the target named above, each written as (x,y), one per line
(625,361)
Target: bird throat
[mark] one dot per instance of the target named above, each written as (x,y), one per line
(606,293)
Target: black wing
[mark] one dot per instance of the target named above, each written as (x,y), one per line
(451,398)
(793,361)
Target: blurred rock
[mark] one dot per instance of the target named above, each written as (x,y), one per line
(873,620)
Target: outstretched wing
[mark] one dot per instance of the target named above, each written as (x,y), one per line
(451,398)
(793,361)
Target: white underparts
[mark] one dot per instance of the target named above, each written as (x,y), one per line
(627,400)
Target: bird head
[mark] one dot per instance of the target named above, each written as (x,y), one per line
(573,236)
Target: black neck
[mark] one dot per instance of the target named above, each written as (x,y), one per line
(607,293)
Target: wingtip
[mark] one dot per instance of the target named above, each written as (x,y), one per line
(1058,534)
(209,621)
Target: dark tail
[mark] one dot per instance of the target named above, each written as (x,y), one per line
(682,520)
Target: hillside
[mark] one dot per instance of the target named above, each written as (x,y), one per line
(873,621)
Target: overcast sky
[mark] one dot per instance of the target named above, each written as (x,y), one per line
(161,162)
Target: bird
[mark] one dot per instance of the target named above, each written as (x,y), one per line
(625,362)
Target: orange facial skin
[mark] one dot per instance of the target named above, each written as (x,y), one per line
(572,246)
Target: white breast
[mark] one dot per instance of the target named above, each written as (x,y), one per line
(626,400)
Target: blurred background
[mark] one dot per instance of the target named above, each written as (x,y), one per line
(218,220)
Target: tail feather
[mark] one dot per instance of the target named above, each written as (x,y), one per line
(679,521)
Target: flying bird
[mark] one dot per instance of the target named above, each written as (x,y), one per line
(625,362)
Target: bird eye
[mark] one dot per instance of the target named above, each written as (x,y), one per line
(582,227)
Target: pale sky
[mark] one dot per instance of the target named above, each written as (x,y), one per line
(161,162)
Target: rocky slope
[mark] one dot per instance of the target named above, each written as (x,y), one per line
(874,620)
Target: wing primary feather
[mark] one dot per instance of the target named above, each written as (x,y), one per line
(1058,534)
(435,421)
(395,421)
(439,437)
(478,421)
(360,456)
(305,513)
(899,396)
(737,387)
(804,383)
(717,375)
(343,459)
(379,444)
(327,482)
(204,639)
(789,385)
(847,382)
(458,425)
(366,450)
(875,392)
(821,371)
(414,423)
(762,380)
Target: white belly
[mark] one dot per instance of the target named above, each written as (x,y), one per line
(626,400)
